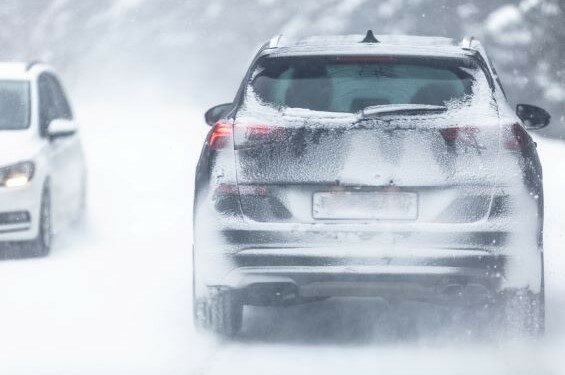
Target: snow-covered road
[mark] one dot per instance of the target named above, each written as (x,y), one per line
(114,297)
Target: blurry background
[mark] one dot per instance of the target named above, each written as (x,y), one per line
(194,52)
(115,295)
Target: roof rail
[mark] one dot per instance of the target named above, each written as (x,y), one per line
(32,63)
(274,42)
(468,43)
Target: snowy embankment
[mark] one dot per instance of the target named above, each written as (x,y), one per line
(114,297)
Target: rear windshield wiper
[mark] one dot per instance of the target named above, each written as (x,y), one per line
(409,109)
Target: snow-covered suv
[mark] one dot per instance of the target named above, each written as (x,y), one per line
(374,166)
(42,171)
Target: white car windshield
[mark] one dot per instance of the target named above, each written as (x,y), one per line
(14,105)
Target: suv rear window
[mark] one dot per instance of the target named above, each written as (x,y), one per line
(352,83)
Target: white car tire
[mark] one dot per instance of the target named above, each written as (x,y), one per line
(41,245)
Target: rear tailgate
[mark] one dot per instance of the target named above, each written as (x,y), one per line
(309,169)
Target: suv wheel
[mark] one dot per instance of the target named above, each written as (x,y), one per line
(200,315)
(522,312)
(225,313)
(200,311)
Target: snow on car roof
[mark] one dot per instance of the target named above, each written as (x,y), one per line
(351,44)
(14,70)
(384,39)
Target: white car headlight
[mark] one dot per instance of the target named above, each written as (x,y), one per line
(17,175)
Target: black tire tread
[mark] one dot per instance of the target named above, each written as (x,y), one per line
(225,313)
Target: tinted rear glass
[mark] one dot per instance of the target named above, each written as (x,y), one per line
(350,84)
(14,105)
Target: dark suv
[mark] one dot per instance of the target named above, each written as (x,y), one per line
(372,166)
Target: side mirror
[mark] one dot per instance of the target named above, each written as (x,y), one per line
(532,116)
(61,128)
(216,113)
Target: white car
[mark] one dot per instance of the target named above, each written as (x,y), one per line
(42,169)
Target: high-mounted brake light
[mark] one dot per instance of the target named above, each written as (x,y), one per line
(221,134)
(516,138)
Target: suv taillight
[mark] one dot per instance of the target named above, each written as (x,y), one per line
(227,190)
(452,134)
(221,135)
(248,135)
(516,138)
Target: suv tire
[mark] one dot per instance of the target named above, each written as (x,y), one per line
(225,313)
(522,312)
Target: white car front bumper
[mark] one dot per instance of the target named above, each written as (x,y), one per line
(20,212)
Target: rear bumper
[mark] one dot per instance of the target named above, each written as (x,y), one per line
(19,212)
(289,284)
(433,262)
(434,275)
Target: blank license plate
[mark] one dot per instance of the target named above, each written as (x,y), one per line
(365,205)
